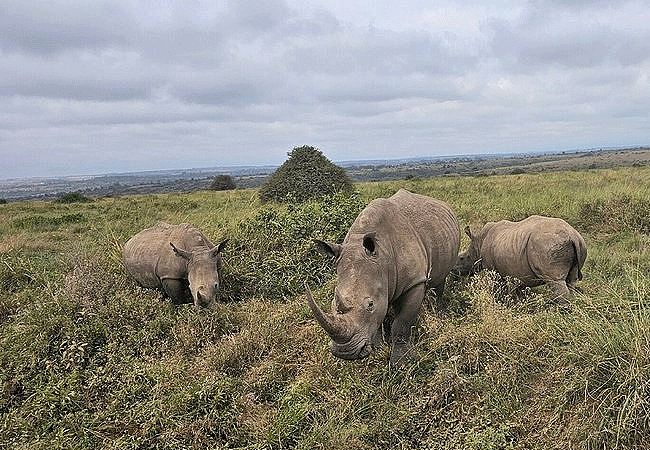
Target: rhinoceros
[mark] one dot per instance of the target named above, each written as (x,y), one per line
(537,250)
(395,248)
(175,258)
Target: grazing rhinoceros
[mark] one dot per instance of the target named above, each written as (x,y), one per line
(536,250)
(394,248)
(174,258)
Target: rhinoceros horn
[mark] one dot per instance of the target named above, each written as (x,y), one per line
(335,327)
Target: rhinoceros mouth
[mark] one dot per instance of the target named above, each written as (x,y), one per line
(456,273)
(350,350)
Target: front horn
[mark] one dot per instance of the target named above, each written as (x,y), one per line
(335,327)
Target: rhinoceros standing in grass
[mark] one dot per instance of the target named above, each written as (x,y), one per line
(178,259)
(537,250)
(394,248)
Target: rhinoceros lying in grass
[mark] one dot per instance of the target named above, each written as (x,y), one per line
(174,258)
(537,250)
(394,248)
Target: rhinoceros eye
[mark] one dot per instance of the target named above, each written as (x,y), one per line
(370,305)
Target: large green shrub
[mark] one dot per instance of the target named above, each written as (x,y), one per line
(271,254)
(306,174)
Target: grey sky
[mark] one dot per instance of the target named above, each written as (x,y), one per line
(117,86)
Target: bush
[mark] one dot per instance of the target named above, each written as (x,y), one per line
(73,197)
(223,183)
(40,224)
(272,253)
(622,213)
(306,174)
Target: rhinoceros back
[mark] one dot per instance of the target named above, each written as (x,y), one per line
(148,257)
(424,233)
(532,249)
(436,225)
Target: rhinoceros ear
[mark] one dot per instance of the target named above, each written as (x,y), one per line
(327,248)
(369,244)
(218,248)
(182,253)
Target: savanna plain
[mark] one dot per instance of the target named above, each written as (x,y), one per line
(89,360)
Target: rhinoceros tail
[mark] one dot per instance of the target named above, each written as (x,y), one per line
(575,273)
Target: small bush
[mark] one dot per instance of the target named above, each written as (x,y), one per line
(24,274)
(41,223)
(623,213)
(307,174)
(73,197)
(223,183)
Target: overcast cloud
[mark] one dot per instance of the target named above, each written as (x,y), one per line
(129,85)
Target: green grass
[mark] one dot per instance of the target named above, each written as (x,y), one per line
(90,360)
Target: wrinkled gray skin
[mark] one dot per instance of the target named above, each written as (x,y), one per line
(537,250)
(178,259)
(392,249)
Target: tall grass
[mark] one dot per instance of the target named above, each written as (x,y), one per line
(90,360)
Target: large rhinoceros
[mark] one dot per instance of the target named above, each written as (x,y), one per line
(537,250)
(392,251)
(176,259)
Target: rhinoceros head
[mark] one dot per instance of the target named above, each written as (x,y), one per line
(360,298)
(469,261)
(203,273)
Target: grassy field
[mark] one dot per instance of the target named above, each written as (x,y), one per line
(89,360)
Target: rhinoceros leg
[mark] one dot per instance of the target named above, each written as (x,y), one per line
(177,290)
(552,268)
(406,315)
(441,303)
(573,277)
(560,291)
(437,304)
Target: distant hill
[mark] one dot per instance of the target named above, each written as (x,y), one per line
(188,180)
(132,183)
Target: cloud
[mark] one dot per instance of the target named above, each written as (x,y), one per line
(143,85)
(46,28)
(573,36)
